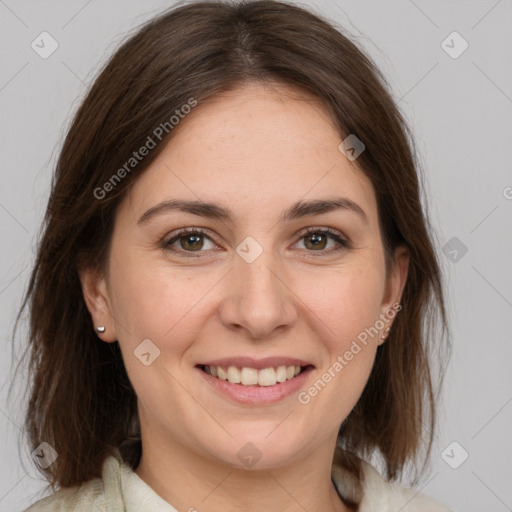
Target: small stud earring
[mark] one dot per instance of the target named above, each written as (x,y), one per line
(100,328)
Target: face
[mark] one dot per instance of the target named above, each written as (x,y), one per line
(270,283)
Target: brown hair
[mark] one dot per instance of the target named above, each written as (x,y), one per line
(81,400)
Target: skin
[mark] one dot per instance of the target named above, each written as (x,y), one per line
(256,150)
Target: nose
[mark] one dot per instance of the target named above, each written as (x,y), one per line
(258,299)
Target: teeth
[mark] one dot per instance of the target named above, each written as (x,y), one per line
(251,376)
(267,377)
(233,375)
(281,374)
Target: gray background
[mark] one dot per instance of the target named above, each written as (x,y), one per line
(460,110)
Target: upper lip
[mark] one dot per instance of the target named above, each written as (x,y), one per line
(258,364)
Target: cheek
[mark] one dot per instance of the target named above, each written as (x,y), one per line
(163,306)
(346,306)
(158,303)
(346,301)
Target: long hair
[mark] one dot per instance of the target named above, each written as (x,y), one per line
(81,401)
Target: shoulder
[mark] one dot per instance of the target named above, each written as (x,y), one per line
(360,483)
(379,494)
(96,494)
(73,499)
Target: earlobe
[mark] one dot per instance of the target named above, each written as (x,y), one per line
(97,300)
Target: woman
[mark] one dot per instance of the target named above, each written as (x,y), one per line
(235,295)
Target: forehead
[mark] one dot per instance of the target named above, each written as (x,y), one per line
(254,148)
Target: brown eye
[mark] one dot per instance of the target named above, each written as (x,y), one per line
(188,240)
(316,241)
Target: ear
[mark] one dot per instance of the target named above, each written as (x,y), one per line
(97,300)
(395,284)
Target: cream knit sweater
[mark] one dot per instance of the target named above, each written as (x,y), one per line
(121,490)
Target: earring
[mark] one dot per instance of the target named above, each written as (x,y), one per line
(100,328)
(384,337)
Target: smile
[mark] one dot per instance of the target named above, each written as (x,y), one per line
(247,376)
(255,382)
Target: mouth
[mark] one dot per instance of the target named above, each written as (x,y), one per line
(250,376)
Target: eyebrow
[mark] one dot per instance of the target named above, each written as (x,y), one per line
(217,211)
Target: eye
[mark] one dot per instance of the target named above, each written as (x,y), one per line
(317,240)
(189,240)
(192,240)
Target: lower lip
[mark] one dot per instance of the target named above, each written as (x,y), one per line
(257,394)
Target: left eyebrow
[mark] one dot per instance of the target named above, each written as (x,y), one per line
(217,211)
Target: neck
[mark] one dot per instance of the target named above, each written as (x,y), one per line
(189,481)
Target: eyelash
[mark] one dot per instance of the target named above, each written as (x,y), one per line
(343,244)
